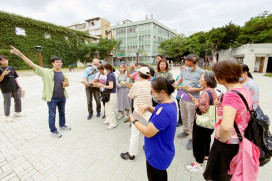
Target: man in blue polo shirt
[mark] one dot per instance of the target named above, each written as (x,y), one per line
(89,75)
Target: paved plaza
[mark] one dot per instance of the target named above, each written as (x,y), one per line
(89,151)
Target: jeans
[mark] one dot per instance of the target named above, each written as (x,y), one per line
(60,103)
(90,93)
(7,102)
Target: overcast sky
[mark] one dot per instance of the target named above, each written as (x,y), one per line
(187,16)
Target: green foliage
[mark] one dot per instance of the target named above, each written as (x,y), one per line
(256,30)
(56,45)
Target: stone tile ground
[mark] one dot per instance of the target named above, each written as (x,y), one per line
(88,151)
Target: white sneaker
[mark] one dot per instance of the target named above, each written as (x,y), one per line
(111,127)
(194,168)
(106,122)
(18,114)
(121,116)
(56,134)
(9,119)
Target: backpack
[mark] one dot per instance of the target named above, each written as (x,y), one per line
(258,132)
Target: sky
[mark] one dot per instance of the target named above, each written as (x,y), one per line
(186,16)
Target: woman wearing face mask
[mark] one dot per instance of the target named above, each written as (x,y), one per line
(163,70)
(232,109)
(140,93)
(122,94)
(248,82)
(160,131)
(109,106)
(201,135)
(101,78)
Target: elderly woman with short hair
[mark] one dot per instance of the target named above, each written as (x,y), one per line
(201,135)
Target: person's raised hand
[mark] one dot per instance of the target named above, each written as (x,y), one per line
(15,51)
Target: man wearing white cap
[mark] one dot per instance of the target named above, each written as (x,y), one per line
(140,92)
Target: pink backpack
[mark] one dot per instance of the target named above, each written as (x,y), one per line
(245,165)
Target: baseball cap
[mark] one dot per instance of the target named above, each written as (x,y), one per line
(144,70)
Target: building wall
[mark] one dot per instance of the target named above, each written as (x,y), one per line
(145,35)
(250,54)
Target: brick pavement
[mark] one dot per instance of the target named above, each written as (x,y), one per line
(88,151)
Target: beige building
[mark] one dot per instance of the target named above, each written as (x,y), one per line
(97,27)
(257,56)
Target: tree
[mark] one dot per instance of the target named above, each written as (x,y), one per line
(174,47)
(257,29)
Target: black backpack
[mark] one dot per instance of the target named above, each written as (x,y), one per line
(258,132)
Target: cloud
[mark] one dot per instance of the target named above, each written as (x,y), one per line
(186,16)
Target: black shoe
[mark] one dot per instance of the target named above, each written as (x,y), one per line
(143,147)
(90,116)
(104,117)
(178,125)
(126,156)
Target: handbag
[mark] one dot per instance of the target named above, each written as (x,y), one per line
(208,119)
(105,95)
(245,164)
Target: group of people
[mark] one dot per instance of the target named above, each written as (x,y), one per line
(146,91)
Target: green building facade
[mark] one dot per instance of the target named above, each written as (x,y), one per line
(141,36)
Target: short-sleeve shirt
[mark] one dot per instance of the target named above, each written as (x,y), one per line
(102,79)
(135,76)
(90,73)
(111,78)
(160,149)
(8,84)
(242,116)
(58,91)
(140,92)
(191,79)
(254,91)
(168,75)
(48,82)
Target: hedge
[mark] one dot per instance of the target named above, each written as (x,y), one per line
(56,45)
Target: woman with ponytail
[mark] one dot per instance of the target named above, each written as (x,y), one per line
(160,131)
(248,82)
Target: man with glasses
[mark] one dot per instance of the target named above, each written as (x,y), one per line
(54,93)
(10,88)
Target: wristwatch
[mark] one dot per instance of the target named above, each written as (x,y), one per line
(134,121)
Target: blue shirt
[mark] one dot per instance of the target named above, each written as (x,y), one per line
(89,73)
(160,148)
(111,77)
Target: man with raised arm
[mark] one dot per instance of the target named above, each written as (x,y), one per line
(54,93)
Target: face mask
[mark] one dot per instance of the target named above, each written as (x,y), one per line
(155,99)
(190,68)
(241,79)
(105,72)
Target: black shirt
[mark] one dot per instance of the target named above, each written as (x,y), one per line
(8,84)
(58,90)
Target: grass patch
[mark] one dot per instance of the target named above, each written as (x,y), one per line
(268,75)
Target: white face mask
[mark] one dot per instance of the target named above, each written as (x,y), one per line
(241,79)
(105,72)
(155,99)
(190,68)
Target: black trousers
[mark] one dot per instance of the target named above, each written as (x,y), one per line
(179,116)
(219,161)
(154,174)
(201,142)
